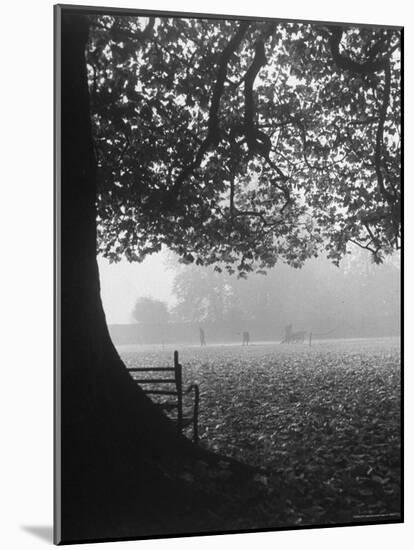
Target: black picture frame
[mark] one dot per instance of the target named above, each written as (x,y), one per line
(65,206)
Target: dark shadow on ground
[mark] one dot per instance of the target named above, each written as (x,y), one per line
(44,532)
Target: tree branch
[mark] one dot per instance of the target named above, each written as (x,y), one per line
(365,247)
(380,135)
(344,62)
(257,141)
(213,133)
(369,67)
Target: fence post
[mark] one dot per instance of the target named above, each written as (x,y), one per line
(310,338)
(195,419)
(179,383)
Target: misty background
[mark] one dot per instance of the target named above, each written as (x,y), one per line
(161,301)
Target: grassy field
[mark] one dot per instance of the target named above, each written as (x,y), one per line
(322,421)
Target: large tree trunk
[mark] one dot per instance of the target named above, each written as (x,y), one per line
(113,439)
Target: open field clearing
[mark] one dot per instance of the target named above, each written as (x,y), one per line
(323,422)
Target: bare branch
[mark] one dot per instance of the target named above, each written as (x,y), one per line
(365,247)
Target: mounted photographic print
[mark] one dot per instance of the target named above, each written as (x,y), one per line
(228,235)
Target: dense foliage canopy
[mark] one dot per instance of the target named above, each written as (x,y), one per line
(245,142)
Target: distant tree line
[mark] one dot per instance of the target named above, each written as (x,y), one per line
(317,297)
(358,297)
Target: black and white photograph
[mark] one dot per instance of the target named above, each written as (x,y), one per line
(228,242)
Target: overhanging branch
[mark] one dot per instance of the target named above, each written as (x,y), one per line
(258,142)
(368,67)
(365,68)
(213,133)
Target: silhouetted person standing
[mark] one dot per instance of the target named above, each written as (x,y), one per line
(288,334)
(202,337)
(246,338)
